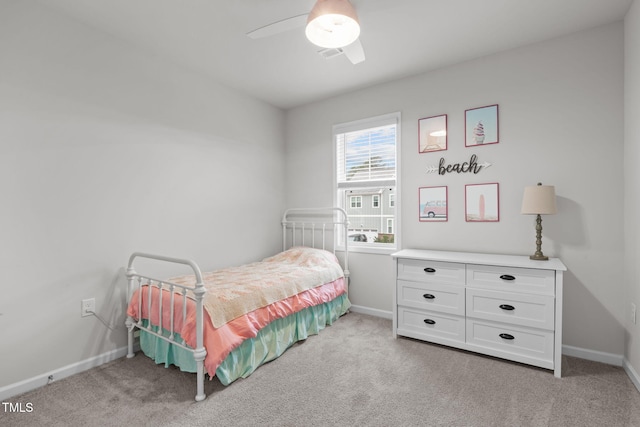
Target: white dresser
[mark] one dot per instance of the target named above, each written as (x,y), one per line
(506,306)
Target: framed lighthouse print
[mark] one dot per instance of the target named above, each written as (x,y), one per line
(482,202)
(481,126)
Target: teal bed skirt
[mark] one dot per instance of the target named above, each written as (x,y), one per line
(271,341)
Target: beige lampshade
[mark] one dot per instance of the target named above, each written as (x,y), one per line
(539,199)
(332,24)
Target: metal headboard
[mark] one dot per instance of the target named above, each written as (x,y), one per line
(316,227)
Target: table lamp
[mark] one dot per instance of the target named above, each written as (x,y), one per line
(539,200)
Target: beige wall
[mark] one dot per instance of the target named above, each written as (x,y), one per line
(632,181)
(561,120)
(107,150)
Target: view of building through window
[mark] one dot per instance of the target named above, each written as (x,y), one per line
(366,178)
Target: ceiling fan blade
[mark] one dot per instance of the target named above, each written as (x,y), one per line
(354,52)
(279,27)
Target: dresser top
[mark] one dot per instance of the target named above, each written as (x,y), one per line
(478,258)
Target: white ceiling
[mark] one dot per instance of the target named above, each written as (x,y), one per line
(400,37)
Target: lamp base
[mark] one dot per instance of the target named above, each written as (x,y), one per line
(539,257)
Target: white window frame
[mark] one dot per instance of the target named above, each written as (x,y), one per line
(357,199)
(375,201)
(382,120)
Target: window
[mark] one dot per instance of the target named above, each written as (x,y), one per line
(366,179)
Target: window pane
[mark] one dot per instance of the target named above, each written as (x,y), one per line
(366,174)
(367,223)
(367,155)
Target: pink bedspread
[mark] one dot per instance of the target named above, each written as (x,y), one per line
(234,291)
(219,342)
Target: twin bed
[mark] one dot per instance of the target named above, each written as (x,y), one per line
(228,322)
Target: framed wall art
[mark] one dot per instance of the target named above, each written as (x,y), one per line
(432,134)
(481,126)
(482,202)
(433,204)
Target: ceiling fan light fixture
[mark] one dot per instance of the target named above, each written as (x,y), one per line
(332,24)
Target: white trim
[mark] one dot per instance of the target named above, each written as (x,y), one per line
(593,355)
(371,311)
(631,373)
(369,122)
(29,384)
(581,353)
(372,215)
(381,120)
(398,198)
(367,187)
(381,249)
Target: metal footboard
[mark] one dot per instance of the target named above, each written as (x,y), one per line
(137,282)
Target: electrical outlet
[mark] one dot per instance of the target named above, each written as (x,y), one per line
(633,313)
(88,307)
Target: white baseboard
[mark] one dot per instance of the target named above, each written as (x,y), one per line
(75,368)
(582,353)
(593,355)
(372,311)
(27,385)
(631,373)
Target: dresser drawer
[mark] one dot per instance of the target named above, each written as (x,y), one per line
(431,271)
(536,311)
(512,342)
(423,324)
(511,279)
(431,296)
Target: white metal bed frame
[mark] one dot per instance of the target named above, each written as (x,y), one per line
(301,222)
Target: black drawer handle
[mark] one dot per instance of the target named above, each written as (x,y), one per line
(429,296)
(507,336)
(507,307)
(430,270)
(429,322)
(507,277)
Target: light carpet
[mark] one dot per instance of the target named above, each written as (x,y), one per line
(353,374)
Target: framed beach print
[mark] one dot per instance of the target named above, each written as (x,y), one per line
(481,126)
(432,134)
(433,204)
(482,202)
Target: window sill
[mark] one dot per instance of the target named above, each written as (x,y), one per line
(368,250)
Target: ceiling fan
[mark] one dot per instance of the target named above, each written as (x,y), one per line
(331,24)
